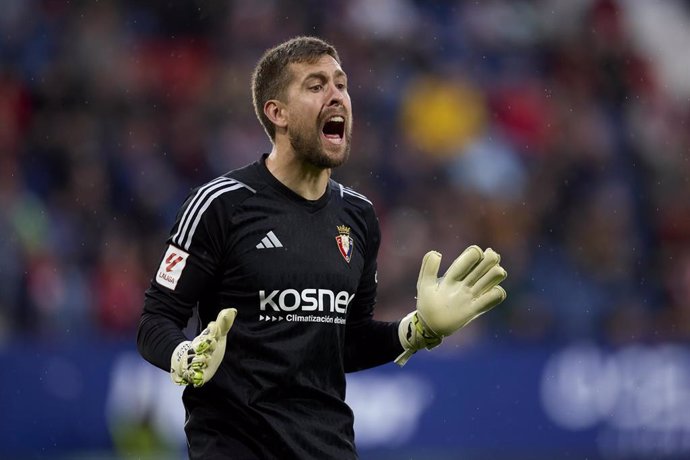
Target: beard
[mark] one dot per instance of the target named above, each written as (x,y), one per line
(307,145)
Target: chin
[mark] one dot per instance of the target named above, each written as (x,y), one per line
(321,154)
(337,158)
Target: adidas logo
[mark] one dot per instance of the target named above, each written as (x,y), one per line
(269,241)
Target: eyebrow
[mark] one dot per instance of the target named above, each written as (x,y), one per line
(323,76)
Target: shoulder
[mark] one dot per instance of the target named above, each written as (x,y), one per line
(353,199)
(208,206)
(350,195)
(231,188)
(224,189)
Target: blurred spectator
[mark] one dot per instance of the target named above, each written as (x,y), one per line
(561,143)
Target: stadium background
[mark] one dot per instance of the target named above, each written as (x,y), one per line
(555,131)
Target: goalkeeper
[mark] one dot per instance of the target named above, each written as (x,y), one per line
(278,262)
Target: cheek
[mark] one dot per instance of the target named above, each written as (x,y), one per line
(303,113)
(297,118)
(302,122)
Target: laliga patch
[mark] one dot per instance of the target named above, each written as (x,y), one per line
(171,267)
(345,243)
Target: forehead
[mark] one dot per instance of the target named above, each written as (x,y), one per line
(324,65)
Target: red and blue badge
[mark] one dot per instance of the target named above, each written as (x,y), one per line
(345,243)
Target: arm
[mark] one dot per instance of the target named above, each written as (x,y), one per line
(167,309)
(369,343)
(161,342)
(469,288)
(186,273)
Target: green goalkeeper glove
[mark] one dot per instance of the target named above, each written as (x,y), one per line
(196,361)
(467,290)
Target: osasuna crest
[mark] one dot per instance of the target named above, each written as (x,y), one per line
(345,243)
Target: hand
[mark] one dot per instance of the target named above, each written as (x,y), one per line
(468,289)
(195,362)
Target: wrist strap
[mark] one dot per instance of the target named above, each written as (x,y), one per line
(415,335)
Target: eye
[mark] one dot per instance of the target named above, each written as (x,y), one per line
(315,88)
(341,86)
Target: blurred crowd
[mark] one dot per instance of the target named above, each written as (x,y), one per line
(553,131)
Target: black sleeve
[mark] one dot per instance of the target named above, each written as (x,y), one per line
(369,343)
(187,268)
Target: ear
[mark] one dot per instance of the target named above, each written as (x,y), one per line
(276,112)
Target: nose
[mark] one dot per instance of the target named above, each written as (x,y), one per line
(335,95)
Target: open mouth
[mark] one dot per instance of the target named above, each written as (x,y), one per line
(334,129)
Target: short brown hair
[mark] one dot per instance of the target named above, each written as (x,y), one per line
(271,76)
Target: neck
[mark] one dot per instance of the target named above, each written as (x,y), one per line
(304,179)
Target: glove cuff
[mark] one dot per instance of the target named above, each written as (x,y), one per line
(179,363)
(414,335)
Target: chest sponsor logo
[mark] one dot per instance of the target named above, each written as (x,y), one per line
(307,305)
(345,242)
(171,267)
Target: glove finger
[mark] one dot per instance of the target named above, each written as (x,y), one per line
(191,353)
(428,273)
(209,330)
(199,362)
(491,299)
(204,343)
(225,320)
(490,259)
(464,263)
(491,278)
(200,342)
(196,377)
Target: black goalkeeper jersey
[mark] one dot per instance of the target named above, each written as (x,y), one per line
(302,275)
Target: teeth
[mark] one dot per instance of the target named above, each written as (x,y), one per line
(337,118)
